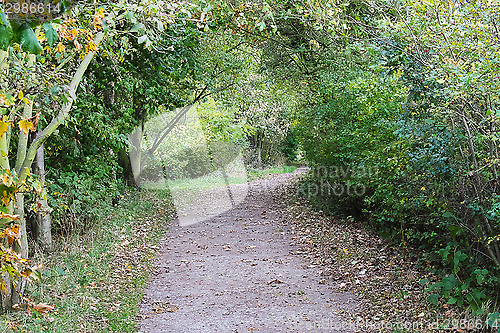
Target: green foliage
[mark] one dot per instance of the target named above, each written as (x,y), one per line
(348,137)
(290,146)
(28,40)
(5,31)
(80,197)
(399,127)
(460,292)
(387,123)
(255,174)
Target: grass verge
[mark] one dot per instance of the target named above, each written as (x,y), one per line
(96,280)
(255,174)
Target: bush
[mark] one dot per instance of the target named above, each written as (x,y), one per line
(379,151)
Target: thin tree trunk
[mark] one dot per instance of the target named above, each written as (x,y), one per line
(136,154)
(42,226)
(259,150)
(5,298)
(21,155)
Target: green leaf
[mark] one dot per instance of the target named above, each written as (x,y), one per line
(433,298)
(448,214)
(61,271)
(142,39)
(138,27)
(50,33)
(5,31)
(423,282)
(459,256)
(452,300)
(444,253)
(55,90)
(28,39)
(494,320)
(481,275)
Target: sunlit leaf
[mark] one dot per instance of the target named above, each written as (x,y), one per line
(26,126)
(3,127)
(3,286)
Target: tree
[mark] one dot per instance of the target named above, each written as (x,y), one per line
(64,50)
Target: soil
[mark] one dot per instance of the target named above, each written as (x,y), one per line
(243,270)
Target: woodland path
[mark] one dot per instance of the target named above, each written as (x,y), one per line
(240,272)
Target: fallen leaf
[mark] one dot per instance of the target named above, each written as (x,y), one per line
(173,309)
(274,281)
(42,308)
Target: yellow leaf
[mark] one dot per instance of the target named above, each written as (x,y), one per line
(26,272)
(9,216)
(3,127)
(60,47)
(3,286)
(4,154)
(26,101)
(20,95)
(25,125)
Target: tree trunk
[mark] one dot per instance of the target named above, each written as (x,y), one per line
(258,149)
(41,227)
(21,155)
(124,163)
(63,112)
(136,154)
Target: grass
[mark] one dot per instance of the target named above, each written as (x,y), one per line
(96,281)
(254,174)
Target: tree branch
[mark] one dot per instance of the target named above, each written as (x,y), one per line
(63,113)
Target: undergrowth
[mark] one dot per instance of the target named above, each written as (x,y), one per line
(95,278)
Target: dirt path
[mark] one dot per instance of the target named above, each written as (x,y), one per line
(240,272)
